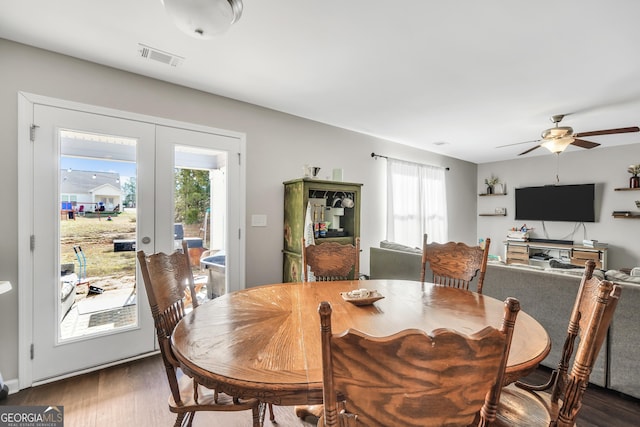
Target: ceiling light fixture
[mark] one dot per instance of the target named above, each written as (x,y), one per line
(203,19)
(558,145)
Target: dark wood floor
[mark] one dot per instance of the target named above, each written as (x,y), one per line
(135,394)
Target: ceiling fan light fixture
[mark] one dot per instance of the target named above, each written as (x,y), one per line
(558,138)
(203,19)
(557,132)
(558,145)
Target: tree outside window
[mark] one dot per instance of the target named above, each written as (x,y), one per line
(192,195)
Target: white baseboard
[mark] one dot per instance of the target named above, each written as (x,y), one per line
(95,368)
(14,386)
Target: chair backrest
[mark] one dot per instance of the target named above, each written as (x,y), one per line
(590,319)
(331,261)
(487,414)
(587,287)
(166,277)
(411,378)
(455,264)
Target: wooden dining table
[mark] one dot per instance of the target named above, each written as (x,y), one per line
(264,342)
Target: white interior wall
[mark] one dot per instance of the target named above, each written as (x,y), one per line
(606,167)
(278,145)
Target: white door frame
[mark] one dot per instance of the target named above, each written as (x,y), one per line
(26,210)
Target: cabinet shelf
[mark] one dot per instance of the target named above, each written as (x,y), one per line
(493,214)
(492,194)
(626,189)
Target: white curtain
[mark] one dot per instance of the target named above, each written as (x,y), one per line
(416,203)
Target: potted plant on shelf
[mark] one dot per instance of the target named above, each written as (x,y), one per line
(491,182)
(634,181)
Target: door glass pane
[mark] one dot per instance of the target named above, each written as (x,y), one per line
(97,234)
(200,197)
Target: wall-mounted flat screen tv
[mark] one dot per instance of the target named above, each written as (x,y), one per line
(574,203)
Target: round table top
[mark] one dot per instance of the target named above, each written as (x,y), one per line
(264,342)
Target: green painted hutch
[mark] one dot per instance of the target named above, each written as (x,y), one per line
(323,195)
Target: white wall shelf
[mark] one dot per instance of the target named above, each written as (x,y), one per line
(628,215)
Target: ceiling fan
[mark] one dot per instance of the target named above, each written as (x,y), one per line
(558,138)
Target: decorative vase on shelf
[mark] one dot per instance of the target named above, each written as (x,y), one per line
(491,183)
(634,181)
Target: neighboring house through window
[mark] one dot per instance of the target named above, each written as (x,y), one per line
(90,189)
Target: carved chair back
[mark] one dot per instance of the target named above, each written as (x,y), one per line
(411,378)
(331,261)
(455,264)
(166,278)
(582,305)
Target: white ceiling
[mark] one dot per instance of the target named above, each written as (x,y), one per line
(471,74)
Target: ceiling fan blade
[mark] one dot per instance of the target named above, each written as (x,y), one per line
(529,150)
(607,132)
(518,143)
(584,144)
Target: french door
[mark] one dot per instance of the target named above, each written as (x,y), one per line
(101,186)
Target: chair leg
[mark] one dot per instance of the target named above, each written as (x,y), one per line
(179,419)
(258,414)
(272,416)
(190,418)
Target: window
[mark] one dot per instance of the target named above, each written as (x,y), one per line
(416,203)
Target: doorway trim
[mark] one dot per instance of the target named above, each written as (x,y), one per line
(26,209)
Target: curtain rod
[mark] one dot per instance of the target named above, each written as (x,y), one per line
(375,156)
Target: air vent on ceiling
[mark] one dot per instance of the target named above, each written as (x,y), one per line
(154,54)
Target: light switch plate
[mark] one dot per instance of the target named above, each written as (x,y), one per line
(258,220)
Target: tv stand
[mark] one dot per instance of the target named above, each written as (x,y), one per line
(556,241)
(521,252)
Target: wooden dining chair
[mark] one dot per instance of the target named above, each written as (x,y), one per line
(455,264)
(526,404)
(328,262)
(558,378)
(331,261)
(411,378)
(167,278)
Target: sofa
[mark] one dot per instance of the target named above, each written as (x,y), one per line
(547,294)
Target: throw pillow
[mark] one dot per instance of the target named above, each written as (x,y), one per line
(385,244)
(619,276)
